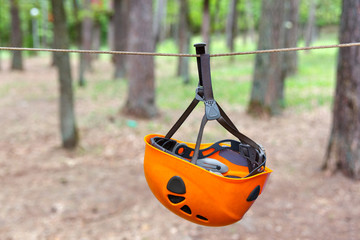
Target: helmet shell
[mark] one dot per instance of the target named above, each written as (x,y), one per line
(209,199)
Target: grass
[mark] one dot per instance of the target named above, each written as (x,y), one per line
(312,86)
(315,82)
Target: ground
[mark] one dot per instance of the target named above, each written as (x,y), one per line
(98,191)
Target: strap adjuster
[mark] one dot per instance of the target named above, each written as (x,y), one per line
(255,157)
(199,89)
(212,111)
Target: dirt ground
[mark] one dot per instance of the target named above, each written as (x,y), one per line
(99,191)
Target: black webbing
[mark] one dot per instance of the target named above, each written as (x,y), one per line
(237,134)
(206,76)
(227,119)
(198,140)
(226,122)
(206,95)
(182,118)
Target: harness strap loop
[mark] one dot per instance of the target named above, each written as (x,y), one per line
(206,76)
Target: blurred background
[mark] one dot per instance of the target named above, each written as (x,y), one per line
(72,125)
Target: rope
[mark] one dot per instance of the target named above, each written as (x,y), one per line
(97,52)
(179,54)
(278,50)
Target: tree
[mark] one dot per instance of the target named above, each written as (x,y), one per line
(159,21)
(44,12)
(86,41)
(141,93)
(249,21)
(68,127)
(231,24)
(111,27)
(311,24)
(120,18)
(266,88)
(16,36)
(290,33)
(343,152)
(205,30)
(77,35)
(216,16)
(1,43)
(184,40)
(291,21)
(97,10)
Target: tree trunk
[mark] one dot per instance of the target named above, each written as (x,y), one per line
(121,21)
(265,94)
(343,153)
(289,60)
(184,40)
(1,42)
(216,17)
(96,5)
(159,21)
(310,26)
(75,7)
(231,24)
(44,12)
(96,40)
(205,30)
(250,28)
(141,94)
(291,36)
(16,36)
(68,128)
(110,33)
(86,42)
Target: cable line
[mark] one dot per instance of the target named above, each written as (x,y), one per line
(278,50)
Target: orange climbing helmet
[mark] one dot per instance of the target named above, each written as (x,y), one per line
(208,184)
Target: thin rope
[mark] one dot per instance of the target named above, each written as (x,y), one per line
(356,44)
(278,50)
(98,52)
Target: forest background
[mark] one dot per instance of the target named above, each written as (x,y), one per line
(96,190)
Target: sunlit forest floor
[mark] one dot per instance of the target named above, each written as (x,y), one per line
(98,191)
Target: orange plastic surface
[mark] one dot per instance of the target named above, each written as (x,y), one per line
(219,199)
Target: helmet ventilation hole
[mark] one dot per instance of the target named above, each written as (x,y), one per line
(202,218)
(180,151)
(175,199)
(186,209)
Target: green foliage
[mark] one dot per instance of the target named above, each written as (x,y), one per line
(4,22)
(249,8)
(232,77)
(327,12)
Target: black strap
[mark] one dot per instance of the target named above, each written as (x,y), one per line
(212,109)
(237,134)
(206,77)
(227,119)
(182,118)
(198,140)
